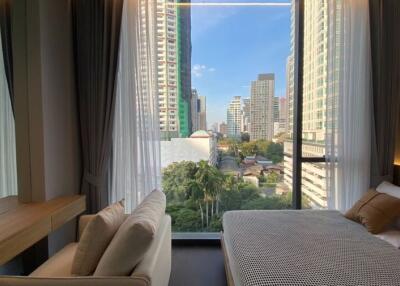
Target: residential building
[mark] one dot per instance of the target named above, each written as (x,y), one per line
(283,114)
(201,145)
(262,107)
(315,89)
(173,69)
(195,111)
(203,113)
(234,117)
(246,115)
(223,128)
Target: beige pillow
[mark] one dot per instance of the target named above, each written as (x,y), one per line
(133,238)
(95,239)
(375,211)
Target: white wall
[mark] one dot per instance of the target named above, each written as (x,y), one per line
(48,140)
(185,149)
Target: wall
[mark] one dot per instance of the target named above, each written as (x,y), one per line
(47,131)
(62,161)
(185,149)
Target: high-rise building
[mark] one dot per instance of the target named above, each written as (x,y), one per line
(246,115)
(173,68)
(315,89)
(195,111)
(283,114)
(234,117)
(223,128)
(262,107)
(203,113)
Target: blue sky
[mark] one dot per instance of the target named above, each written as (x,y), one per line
(231,46)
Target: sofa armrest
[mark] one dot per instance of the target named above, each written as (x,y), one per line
(156,264)
(83,222)
(72,281)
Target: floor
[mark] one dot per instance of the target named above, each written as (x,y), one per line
(197,266)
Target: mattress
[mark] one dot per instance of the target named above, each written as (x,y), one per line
(305,248)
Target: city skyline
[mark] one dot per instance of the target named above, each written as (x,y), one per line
(263,32)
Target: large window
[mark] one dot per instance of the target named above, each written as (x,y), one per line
(8,165)
(242,90)
(224,148)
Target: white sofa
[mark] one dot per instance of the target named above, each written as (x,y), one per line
(153,270)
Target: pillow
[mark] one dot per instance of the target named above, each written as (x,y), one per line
(392,190)
(391,236)
(95,239)
(375,211)
(133,238)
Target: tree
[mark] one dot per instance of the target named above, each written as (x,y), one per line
(176,179)
(274,152)
(245,137)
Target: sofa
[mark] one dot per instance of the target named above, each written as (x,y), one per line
(153,269)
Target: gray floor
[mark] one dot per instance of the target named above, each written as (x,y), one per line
(197,266)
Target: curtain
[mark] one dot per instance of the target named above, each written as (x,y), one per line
(96,32)
(5,27)
(385,43)
(348,123)
(8,161)
(136,146)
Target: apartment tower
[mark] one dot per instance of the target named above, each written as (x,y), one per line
(203,113)
(246,115)
(173,68)
(262,107)
(195,111)
(315,89)
(234,117)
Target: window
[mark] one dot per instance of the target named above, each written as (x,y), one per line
(8,164)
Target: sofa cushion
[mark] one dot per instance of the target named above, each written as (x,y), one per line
(95,239)
(59,265)
(133,238)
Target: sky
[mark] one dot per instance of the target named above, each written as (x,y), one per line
(231,46)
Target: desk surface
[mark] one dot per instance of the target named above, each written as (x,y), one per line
(22,225)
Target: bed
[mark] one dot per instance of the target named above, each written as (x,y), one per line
(304,248)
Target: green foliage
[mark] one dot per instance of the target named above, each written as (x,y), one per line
(272,178)
(275,152)
(268,203)
(245,137)
(199,194)
(176,180)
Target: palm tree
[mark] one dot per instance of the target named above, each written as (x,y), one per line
(196,193)
(210,180)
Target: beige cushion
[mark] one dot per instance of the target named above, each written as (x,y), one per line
(59,265)
(133,238)
(96,237)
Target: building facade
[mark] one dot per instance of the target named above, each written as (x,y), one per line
(234,117)
(246,115)
(223,128)
(262,107)
(173,68)
(203,113)
(195,111)
(315,92)
(200,146)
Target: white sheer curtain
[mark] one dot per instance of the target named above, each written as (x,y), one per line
(136,160)
(349,101)
(8,162)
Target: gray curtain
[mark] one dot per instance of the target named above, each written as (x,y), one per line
(96,31)
(385,45)
(5,27)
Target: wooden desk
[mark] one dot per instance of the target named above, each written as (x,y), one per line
(22,225)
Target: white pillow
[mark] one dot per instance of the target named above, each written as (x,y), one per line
(391,190)
(391,236)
